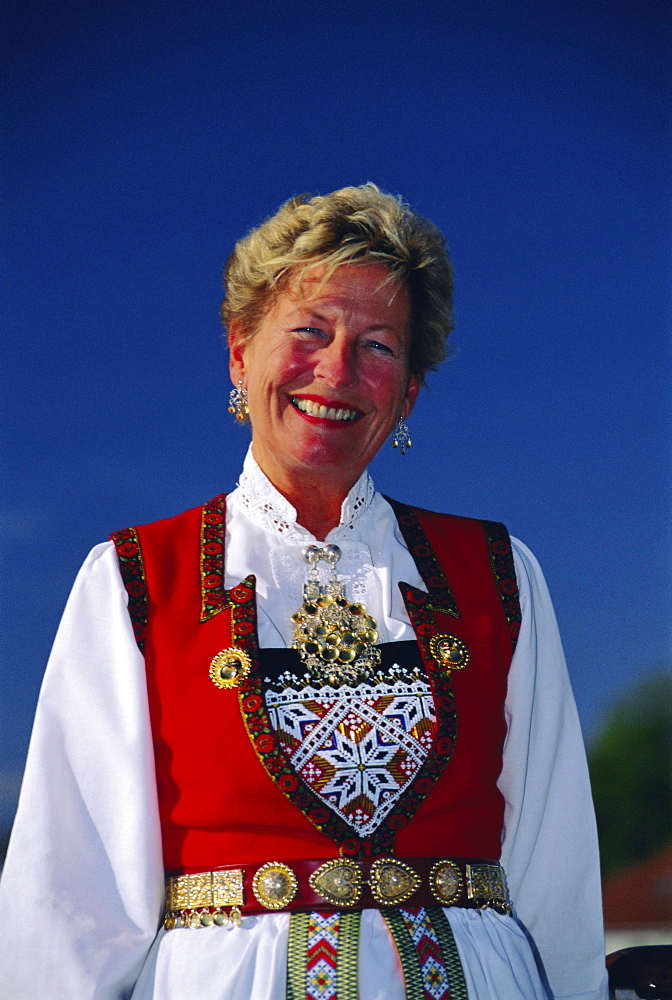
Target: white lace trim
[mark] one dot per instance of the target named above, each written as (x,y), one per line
(269,508)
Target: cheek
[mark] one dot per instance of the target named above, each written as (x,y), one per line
(388,390)
(269,367)
(286,365)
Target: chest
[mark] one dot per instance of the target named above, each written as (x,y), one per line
(255,767)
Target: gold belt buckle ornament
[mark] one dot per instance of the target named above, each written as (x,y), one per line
(338,881)
(230,667)
(445,881)
(449,651)
(275,885)
(392,881)
(198,900)
(486,885)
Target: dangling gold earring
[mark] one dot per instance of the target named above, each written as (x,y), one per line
(401,439)
(238,403)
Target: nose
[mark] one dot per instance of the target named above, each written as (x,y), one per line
(335,363)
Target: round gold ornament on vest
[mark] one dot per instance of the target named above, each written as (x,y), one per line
(449,652)
(230,667)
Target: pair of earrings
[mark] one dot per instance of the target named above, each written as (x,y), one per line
(238,407)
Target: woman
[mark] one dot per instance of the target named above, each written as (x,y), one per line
(275,723)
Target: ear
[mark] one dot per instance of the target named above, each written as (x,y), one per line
(412,390)
(236,354)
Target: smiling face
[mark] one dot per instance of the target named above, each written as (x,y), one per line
(327,376)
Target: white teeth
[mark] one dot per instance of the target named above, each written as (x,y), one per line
(314,409)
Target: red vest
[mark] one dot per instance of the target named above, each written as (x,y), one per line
(227,792)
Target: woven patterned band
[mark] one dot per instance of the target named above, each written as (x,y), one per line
(341,883)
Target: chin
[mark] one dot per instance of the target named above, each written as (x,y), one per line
(328,459)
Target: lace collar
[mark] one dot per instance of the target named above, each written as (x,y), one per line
(261,501)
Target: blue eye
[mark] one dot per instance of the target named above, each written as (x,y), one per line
(312,330)
(376,344)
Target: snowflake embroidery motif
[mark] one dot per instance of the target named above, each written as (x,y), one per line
(357,752)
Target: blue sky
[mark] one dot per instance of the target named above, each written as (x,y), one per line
(142,139)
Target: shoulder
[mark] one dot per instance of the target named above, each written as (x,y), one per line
(452,528)
(524,558)
(168,524)
(98,587)
(100,565)
(168,531)
(530,576)
(407,511)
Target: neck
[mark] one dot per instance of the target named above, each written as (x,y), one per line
(317,506)
(317,497)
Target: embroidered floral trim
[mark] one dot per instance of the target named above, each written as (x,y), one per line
(213,528)
(428,565)
(263,737)
(504,571)
(418,605)
(132,569)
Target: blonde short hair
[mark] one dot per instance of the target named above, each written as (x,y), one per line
(351,226)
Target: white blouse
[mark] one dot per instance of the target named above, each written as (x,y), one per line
(82,889)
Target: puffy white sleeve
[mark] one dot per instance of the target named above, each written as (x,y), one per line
(82,887)
(550,850)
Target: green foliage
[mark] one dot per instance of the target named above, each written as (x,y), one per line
(630,765)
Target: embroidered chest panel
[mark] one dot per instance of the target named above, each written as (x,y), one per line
(358,748)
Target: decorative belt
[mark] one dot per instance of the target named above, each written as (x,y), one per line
(302,885)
